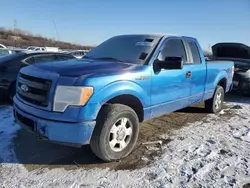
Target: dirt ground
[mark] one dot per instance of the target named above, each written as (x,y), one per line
(34,154)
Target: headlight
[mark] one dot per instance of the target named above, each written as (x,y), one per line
(71,95)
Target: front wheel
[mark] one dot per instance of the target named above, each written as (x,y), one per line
(215,104)
(116,132)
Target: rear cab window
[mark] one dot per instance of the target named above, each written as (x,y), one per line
(194,50)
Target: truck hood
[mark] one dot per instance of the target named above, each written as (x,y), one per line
(231,50)
(79,67)
(237,52)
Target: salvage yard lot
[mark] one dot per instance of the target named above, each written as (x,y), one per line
(187,148)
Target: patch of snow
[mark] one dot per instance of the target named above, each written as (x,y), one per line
(8,130)
(153,142)
(144,158)
(246,137)
(210,153)
(222,112)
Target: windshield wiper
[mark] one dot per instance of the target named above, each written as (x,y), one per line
(86,57)
(114,59)
(110,58)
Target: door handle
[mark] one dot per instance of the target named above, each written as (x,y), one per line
(188,74)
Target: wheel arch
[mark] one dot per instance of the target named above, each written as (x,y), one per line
(130,101)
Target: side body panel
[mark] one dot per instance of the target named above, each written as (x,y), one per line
(170,89)
(198,71)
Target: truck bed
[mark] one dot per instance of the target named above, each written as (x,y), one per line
(212,60)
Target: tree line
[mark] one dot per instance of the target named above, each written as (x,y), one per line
(22,39)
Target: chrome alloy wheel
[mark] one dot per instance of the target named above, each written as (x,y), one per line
(218,100)
(120,134)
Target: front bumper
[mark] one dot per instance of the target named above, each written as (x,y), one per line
(69,133)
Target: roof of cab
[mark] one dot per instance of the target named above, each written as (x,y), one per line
(161,35)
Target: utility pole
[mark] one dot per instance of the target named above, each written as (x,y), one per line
(58,36)
(15,31)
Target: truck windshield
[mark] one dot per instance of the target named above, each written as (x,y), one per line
(126,48)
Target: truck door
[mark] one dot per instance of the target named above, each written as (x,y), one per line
(197,71)
(170,89)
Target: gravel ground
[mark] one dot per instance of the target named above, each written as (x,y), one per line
(188,148)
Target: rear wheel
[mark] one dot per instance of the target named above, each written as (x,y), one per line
(116,132)
(215,104)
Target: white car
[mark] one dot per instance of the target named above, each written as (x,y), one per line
(7,51)
(44,49)
(2,46)
(33,48)
(78,53)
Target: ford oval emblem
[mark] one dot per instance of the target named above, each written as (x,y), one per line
(24,88)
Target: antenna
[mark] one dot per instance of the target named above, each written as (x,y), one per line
(58,36)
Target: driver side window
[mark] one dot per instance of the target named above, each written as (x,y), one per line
(173,48)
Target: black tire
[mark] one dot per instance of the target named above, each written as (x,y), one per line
(12,91)
(211,105)
(107,117)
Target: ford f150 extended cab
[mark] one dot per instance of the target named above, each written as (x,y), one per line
(101,99)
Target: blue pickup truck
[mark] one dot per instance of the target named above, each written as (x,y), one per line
(101,99)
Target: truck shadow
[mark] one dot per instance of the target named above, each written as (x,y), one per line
(33,152)
(237,98)
(194,109)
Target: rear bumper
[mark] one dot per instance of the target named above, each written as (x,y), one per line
(69,133)
(242,85)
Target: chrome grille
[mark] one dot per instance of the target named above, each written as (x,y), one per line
(34,90)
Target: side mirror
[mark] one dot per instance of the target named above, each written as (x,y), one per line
(170,63)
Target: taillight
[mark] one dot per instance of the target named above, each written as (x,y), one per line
(233,70)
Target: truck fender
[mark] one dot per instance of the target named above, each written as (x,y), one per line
(222,75)
(121,88)
(116,89)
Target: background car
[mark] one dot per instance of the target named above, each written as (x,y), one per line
(11,64)
(32,48)
(77,53)
(239,54)
(2,46)
(47,49)
(6,51)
